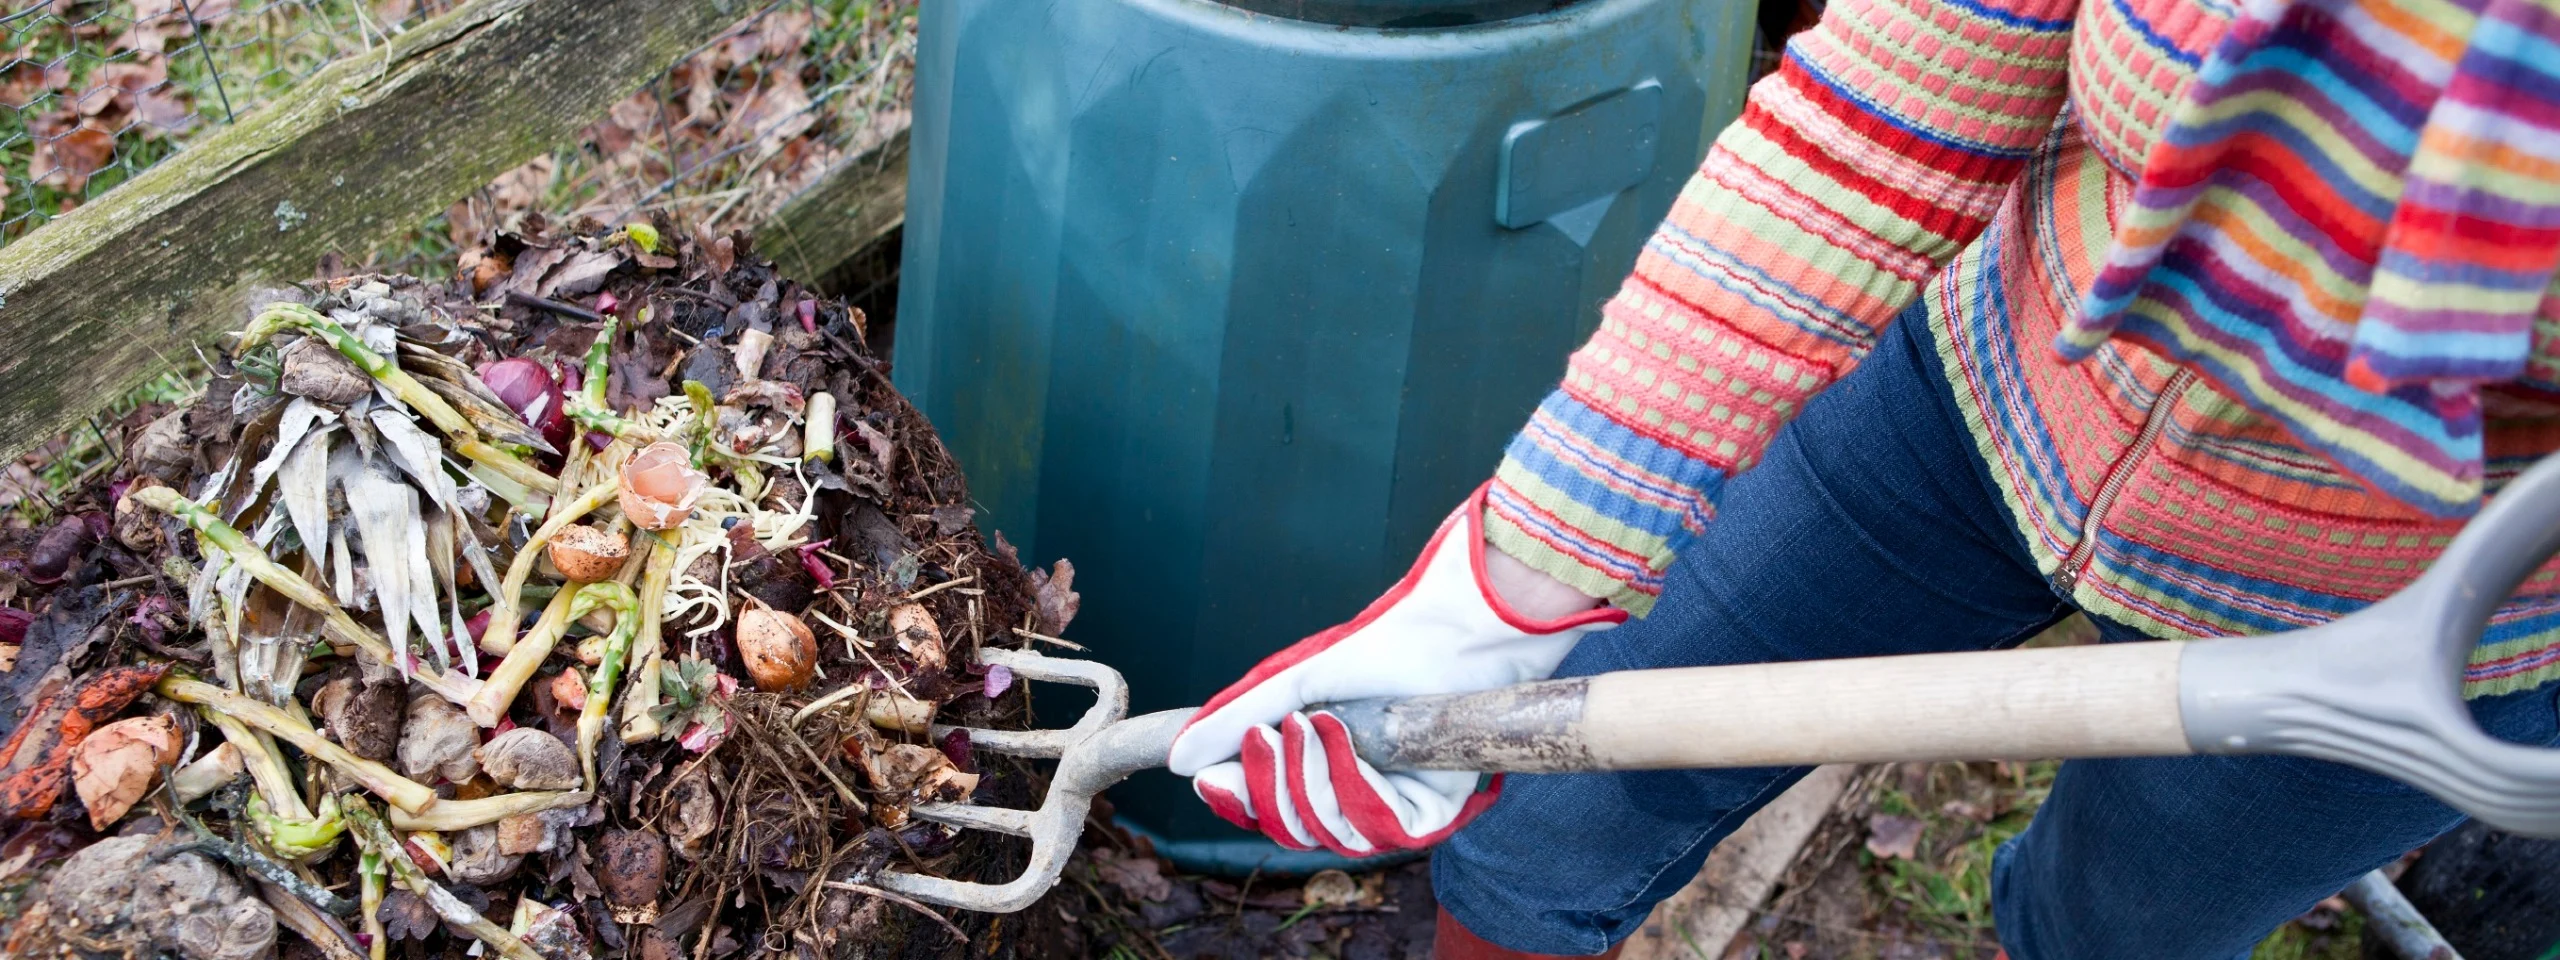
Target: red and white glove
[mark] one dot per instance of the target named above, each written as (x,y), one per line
(1263,763)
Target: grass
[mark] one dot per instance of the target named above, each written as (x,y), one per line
(1943,894)
(1948,891)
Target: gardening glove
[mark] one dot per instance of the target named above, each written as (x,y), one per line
(1263,762)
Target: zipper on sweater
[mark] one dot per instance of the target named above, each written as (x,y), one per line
(2163,406)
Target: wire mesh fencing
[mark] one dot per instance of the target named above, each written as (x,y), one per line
(92,92)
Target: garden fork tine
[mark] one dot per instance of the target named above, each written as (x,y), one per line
(1100,750)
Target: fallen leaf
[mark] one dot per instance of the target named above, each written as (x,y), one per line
(68,161)
(1054,599)
(1139,877)
(117,764)
(1890,837)
(406,916)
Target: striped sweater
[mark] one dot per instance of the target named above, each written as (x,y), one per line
(1976,155)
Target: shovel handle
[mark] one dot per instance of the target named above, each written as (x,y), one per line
(2093,701)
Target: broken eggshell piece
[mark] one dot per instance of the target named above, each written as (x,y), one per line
(660,486)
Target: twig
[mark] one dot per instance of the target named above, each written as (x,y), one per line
(939,587)
(555,306)
(401,791)
(840,695)
(268,870)
(869,890)
(842,788)
(1045,638)
(276,873)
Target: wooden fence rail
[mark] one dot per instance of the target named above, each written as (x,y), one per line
(115,292)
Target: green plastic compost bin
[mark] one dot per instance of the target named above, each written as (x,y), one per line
(1231,303)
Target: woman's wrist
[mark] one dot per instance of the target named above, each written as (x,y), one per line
(1530,591)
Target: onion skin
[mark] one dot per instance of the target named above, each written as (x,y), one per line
(524,385)
(59,550)
(779,651)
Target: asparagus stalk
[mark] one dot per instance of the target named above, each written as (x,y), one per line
(450,815)
(821,415)
(267,774)
(370,874)
(401,791)
(588,406)
(334,620)
(627,623)
(374,835)
(500,638)
(466,438)
(638,724)
(496,693)
(490,704)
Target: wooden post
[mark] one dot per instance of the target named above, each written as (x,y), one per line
(830,223)
(112,293)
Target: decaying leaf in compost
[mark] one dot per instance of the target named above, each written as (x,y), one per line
(316,370)
(1055,599)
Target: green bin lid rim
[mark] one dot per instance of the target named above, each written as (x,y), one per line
(1395,14)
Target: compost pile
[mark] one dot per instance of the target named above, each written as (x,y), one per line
(598,601)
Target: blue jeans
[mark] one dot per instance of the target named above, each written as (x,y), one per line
(1873,528)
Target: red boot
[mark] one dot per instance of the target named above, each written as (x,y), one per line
(1454,941)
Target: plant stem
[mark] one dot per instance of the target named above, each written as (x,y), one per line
(401,791)
(491,702)
(372,834)
(369,882)
(267,774)
(500,638)
(627,623)
(450,815)
(524,656)
(637,722)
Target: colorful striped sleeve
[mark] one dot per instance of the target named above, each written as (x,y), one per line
(1880,147)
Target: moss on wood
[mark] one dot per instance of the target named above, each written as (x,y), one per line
(113,293)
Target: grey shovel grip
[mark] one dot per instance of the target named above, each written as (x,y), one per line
(2381,688)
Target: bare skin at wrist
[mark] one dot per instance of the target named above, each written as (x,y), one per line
(1534,594)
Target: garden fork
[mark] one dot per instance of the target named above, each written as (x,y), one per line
(2379,689)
